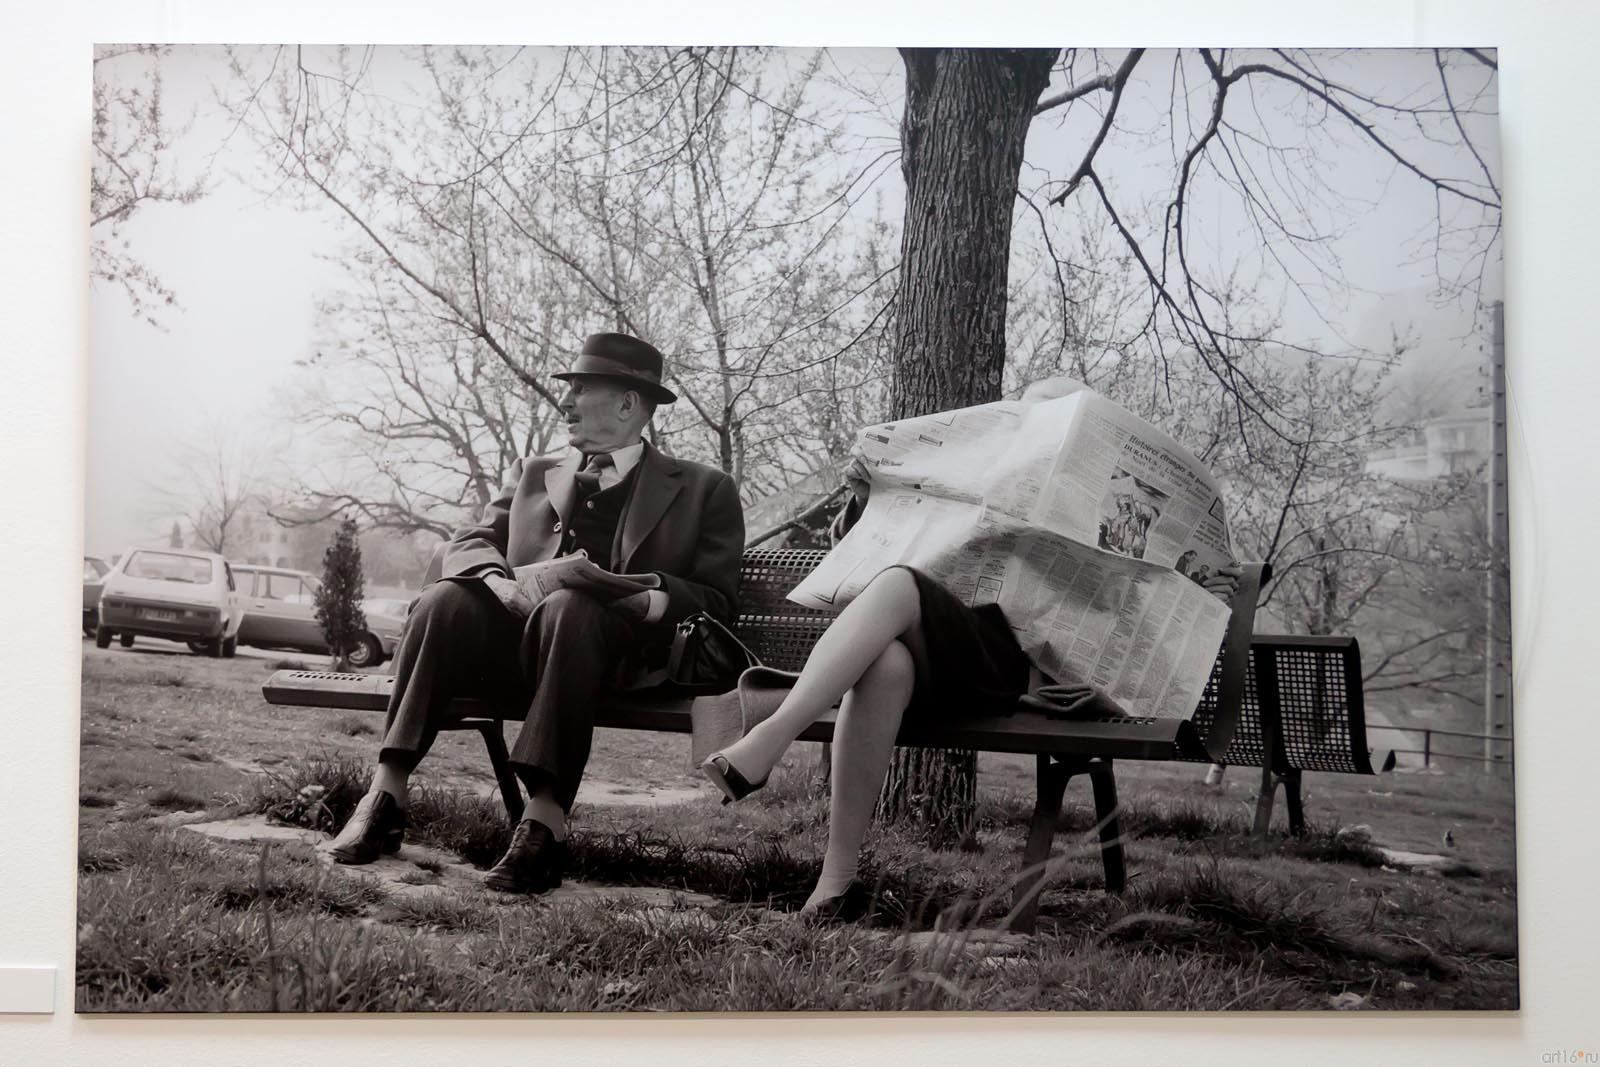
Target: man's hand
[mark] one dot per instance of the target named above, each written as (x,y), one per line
(511,594)
(859,481)
(1224,583)
(635,607)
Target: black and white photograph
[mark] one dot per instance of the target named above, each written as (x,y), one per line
(1129,508)
(462,420)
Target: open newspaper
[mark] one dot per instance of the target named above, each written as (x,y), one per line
(1090,527)
(578,571)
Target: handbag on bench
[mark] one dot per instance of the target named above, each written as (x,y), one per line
(706,657)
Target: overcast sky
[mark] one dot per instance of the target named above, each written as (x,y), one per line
(248,271)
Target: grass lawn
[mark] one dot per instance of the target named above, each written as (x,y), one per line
(170,920)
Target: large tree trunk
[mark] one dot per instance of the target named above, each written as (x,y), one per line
(966,120)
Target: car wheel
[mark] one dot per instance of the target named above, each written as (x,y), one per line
(125,640)
(102,637)
(367,652)
(230,645)
(197,647)
(213,648)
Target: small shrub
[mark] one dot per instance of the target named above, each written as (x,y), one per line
(318,793)
(95,800)
(338,597)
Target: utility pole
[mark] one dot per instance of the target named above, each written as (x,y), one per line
(1497,634)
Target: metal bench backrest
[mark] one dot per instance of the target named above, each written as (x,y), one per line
(1245,748)
(1317,684)
(777,629)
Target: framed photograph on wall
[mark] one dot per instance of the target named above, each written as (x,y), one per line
(463,421)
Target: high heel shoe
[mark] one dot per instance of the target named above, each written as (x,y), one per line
(726,777)
(850,906)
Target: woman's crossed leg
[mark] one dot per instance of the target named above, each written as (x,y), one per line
(866,662)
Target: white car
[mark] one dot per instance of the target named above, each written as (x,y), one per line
(176,593)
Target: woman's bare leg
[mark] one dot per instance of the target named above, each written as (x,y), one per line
(887,610)
(863,740)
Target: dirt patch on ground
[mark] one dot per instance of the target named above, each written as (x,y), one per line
(418,871)
(602,793)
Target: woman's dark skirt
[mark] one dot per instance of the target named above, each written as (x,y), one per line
(973,655)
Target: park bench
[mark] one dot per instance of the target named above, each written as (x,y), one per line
(1284,704)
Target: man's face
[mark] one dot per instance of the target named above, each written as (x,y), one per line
(602,415)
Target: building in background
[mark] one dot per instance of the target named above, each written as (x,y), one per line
(1455,442)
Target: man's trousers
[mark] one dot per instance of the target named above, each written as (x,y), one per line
(460,640)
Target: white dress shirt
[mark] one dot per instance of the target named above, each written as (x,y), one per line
(623,460)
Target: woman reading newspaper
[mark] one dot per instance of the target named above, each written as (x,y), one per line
(905,642)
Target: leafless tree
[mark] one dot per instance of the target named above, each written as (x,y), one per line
(220,478)
(131,167)
(1257,131)
(673,193)
(1257,128)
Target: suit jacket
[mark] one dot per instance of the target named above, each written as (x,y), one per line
(682,521)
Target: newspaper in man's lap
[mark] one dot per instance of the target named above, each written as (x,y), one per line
(578,571)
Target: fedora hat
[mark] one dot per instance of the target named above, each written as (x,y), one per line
(624,359)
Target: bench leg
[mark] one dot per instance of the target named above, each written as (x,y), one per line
(1104,779)
(500,760)
(1052,786)
(1293,804)
(1269,786)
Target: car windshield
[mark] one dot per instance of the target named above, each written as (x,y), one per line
(169,567)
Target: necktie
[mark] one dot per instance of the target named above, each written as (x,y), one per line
(588,479)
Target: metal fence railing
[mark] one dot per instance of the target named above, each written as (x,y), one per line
(1500,751)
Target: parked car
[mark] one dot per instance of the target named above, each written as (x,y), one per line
(94,573)
(280,612)
(176,593)
(389,607)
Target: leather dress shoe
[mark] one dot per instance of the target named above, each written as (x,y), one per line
(533,864)
(377,827)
